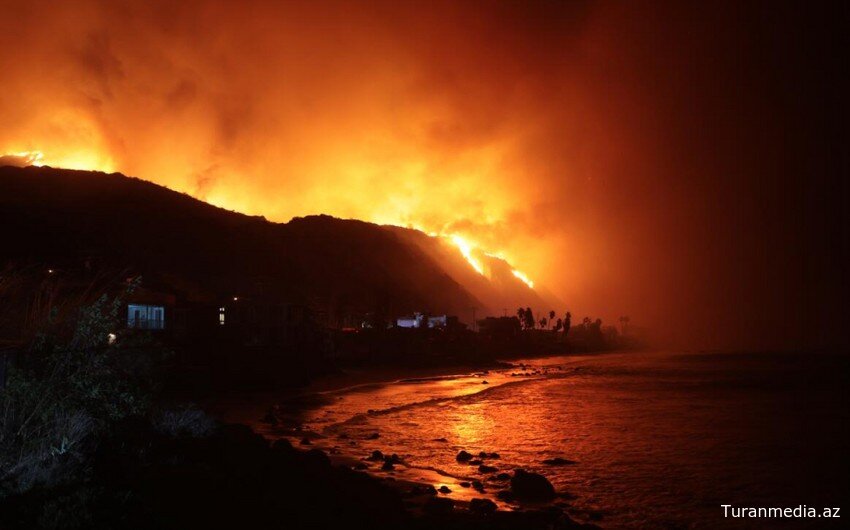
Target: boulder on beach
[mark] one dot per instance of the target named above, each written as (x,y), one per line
(388,466)
(463,456)
(375,456)
(493,456)
(441,440)
(558,461)
(464,484)
(486,469)
(505,495)
(531,487)
(482,506)
(373,436)
(477,485)
(317,457)
(501,477)
(282,444)
(426,489)
(444,489)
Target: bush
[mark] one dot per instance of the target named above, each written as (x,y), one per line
(69,385)
(184,421)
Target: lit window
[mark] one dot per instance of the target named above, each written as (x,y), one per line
(145,316)
(220,316)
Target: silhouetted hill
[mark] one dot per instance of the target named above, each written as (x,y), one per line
(64,218)
(499,291)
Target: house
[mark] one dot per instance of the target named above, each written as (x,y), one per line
(149,310)
(419,320)
(499,328)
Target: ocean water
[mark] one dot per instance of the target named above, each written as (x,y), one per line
(659,439)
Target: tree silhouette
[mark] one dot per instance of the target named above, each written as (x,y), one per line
(567,323)
(551,316)
(529,318)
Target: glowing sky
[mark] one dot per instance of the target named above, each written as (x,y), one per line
(596,146)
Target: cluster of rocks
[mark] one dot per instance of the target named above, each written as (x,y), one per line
(525,486)
(389,461)
(529,371)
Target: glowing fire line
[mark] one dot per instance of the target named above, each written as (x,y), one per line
(466,249)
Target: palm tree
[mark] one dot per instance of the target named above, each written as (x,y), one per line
(551,316)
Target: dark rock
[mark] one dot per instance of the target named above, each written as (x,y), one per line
(485,382)
(438,506)
(501,477)
(463,456)
(443,440)
(476,462)
(477,485)
(317,457)
(373,436)
(482,506)
(388,466)
(464,484)
(558,461)
(531,487)
(392,458)
(505,495)
(426,489)
(486,469)
(444,489)
(306,441)
(375,456)
(282,444)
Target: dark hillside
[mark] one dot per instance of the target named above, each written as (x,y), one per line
(62,217)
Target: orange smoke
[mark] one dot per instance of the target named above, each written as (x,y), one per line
(606,150)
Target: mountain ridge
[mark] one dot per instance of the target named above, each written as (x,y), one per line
(346,266)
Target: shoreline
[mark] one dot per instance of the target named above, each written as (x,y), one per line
(403,479)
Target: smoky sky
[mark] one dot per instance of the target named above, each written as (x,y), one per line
(666,161)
